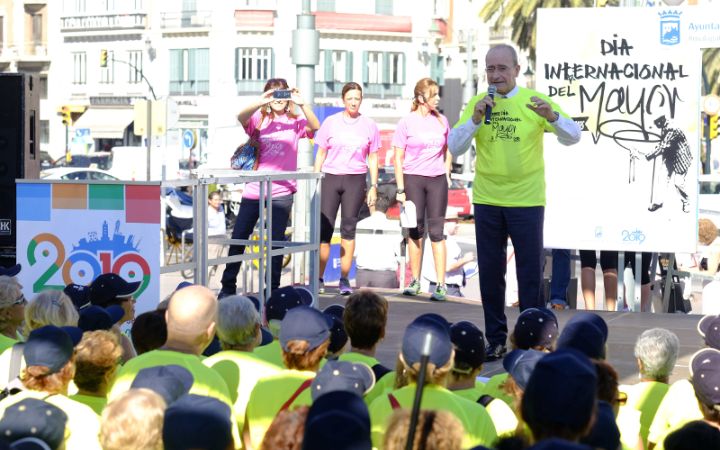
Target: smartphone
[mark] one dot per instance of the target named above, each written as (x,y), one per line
(282,94)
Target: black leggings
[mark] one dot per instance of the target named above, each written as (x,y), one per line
(608,259)
(430,195)
(348,190)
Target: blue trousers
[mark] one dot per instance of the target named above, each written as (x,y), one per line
(245,224)
(493,225)
(560,278)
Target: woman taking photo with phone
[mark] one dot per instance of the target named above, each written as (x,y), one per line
(273,118)
(422,173)
(347,148)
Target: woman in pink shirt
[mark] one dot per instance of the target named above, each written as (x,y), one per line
(422,168)
(278,127)
(347,148)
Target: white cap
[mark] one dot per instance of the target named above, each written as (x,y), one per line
(408,215)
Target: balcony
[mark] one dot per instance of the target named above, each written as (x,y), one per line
(186,19)
(382,90)
(190,87)
(134,21)
(250,87)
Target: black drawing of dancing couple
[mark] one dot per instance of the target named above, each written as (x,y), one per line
(677,158)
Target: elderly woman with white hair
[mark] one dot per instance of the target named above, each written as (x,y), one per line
(656,351)
(238,328)
(12,311)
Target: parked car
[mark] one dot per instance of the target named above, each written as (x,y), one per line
(76,173)
(95,160)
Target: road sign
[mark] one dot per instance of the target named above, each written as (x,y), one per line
(189,139)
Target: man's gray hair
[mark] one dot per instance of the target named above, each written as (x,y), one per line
(237,320)
(657,349)
(509,48)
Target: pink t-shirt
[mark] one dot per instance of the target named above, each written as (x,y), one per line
(424,140)
(348,143)
(278,150)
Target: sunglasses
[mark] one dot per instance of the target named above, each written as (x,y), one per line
(20,300)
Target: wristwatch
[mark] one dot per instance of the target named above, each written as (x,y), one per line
(401,191)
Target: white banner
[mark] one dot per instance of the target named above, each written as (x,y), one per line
(632,80)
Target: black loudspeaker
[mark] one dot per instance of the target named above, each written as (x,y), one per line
(19,150)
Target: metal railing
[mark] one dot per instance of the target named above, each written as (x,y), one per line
(186,19)
(190,87)
(266,247)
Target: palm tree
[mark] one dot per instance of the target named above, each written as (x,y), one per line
(711,70)
(524,16)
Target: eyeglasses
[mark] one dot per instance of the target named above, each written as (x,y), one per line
(621,398)
(20,301)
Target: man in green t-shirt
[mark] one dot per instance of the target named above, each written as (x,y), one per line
(509,185)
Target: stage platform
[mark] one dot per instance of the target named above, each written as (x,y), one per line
(624,327)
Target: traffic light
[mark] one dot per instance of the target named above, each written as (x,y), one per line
(713,127)
(103,58)
(66,115)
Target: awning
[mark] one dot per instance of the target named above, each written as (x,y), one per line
(105,123)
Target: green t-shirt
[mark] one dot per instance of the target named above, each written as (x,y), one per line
(494,389)
(645,397)
(6,342)
(96,403)
(83,426)
(502,415)
(206,381)
(510,166)
(269,395)
(379,387)
(271,353)
(241,372)
(479,428)
(678,407)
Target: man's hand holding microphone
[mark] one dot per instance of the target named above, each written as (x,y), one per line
(483,108)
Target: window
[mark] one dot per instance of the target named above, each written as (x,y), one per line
(189,71)
(79,68)
(335,66)
(326,5)
(135,66)
(384,67)
(2,33)
(44,131)
(253,64)
(384,7)
(37,31)
(43,87)
(74,6)
(107,74)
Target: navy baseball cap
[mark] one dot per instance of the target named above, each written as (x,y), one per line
(35,418)
(520,365)
(593,318)
(97,318)
(469,343)
(304,323)
(170,382)
(79,294)
(305,293)
(338,336)
(583,336)
(10,271)
(561,390)
(438,328)
(109,286)
(705,375)
(182,285)
(196,421)
(50,347)
(535,327)
(357,378)
(339,421)
(605,433)
(709,329)
(281,301)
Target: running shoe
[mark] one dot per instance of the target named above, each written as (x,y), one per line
(440,294)
(413,288)
(344,287)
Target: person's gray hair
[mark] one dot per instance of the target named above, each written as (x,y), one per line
(657,349)
(237,320)
(509,48)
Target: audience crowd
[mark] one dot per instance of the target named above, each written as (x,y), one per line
(203,373)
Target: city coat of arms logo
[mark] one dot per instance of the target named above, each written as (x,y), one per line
(669,27)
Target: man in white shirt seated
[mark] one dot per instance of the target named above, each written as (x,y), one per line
(377,249)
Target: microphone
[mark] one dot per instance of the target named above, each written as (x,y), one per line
(488,111)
